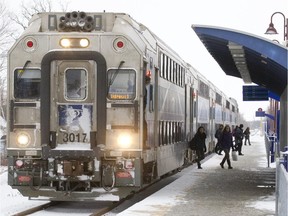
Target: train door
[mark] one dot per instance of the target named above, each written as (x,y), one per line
(72,103)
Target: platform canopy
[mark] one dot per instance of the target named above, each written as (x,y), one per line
(250,57)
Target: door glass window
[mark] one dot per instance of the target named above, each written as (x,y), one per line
(76,80)
(121,84)
(27,83)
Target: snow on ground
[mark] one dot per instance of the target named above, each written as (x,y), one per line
(13,201)
(174,193)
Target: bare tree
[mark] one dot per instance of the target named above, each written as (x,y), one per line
(7,37)
(9,33)
(36,6)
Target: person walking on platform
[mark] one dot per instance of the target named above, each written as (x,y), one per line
(226,142)
(247,136)
(238,134)
(199,140)
(218,133)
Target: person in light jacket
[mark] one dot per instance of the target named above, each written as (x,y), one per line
(226,142)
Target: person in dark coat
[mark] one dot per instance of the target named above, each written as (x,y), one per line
(247,136)
(218,133)
(226,142)
(239,135)
(200,137)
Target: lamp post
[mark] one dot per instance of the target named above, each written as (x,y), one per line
(272,30)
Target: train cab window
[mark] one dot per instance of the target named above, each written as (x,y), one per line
(76,82)
(121,84)
(27,83)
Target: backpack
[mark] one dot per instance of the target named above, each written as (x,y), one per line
(192,144)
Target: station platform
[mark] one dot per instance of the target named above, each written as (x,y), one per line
(247,189)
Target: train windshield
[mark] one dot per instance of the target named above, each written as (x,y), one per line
(27,83)
(76,80)
(121,84)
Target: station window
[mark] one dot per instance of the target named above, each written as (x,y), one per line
(76,84)
(27,83)
(121,84)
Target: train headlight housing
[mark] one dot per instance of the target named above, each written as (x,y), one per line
(23,139)
(124,140)
(74,42)
(84,42)
(65,42)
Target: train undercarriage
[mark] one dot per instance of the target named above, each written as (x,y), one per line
(67,179)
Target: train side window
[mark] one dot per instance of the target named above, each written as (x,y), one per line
(166,67)
(173,132)
(165,133)
(162,65)
(27,83)
(161,133)
(121,84)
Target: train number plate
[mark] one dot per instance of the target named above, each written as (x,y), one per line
(74,137)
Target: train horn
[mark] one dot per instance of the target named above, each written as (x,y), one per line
(88,27)
(74,15)
(62,26)
(75,21)
(82,15)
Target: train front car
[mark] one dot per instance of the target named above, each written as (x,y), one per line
(76,109)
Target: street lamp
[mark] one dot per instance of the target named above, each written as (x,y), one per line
(272,30)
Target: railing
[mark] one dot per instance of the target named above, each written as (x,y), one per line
(272,148)
(281,189)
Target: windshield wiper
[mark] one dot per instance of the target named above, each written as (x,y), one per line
(19,75)
(114,75)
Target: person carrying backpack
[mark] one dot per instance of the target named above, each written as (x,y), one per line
(198,143)
(239,135)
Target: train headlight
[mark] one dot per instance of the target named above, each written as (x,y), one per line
(23,139)
(84,42)
(65,42)
(74,42)
(124,140)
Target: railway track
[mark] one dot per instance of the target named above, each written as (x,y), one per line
(107,208)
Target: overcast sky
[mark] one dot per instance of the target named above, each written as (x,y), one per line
(171,20)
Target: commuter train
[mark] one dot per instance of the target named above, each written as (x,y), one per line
(99,105)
